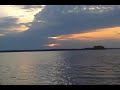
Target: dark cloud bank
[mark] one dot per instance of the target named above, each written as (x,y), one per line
(57,20)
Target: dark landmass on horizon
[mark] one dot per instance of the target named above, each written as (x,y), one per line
(56,50)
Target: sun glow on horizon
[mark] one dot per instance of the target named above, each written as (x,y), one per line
(52,45)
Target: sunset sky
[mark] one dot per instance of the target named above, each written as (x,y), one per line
(59,26)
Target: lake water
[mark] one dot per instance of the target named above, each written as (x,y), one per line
(89,67)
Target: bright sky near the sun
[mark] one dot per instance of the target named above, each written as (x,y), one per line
(17,11)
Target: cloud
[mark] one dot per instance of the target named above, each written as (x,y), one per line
(30,8)
(55,20)
(6,22)
(28,24)
(67,23)
(10,24)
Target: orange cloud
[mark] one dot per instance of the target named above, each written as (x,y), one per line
(99,34)
(22,28)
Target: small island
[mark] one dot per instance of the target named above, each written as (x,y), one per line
(96,48)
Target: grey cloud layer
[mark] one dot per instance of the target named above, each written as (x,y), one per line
(66,23)
(29,8)
(60,20)
(7,23)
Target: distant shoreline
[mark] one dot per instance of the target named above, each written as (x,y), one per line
(55,50)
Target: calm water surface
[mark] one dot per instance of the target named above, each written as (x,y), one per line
(60,67)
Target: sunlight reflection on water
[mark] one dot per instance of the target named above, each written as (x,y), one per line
(60,67)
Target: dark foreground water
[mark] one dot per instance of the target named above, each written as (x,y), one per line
(60,67)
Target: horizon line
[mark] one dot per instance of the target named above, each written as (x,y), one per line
(55,49)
